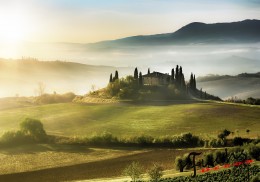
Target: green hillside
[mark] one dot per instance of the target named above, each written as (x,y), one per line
(72,119)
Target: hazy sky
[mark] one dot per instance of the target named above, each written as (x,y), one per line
(95,20)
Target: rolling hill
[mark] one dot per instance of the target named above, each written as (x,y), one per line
(21,77)
(225,86)
(247,31)
(128,120)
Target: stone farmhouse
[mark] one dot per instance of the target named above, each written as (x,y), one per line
(156,78)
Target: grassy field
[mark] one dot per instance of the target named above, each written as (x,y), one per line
(66,163)
(72,119)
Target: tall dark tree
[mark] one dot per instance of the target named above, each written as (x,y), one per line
(201,93)
(177,73)
(111,78)
(194,82)
(148,71)
(172,75)
(136,73)
(116,75)
(140,78)
(191,81)
(205,95)
(180,77)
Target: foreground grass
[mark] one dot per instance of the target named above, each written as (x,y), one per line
(65,163)
(37,157)
(124,120)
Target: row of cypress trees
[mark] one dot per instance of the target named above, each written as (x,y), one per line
(177,78)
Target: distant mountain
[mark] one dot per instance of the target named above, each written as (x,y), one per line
(247,31)
(243,85)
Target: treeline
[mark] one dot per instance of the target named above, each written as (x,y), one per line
(108,140)
(250,100)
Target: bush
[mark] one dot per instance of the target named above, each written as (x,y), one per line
(33,128)
(15,137)
(183,162)
(155,173)
(209,159)
(254,151)
(220,157)
(240,141)
(104,139)
(134,170)
(255,178)
(216,143)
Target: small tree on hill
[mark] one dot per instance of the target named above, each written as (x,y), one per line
(134,170)
(223,135)
(155,173)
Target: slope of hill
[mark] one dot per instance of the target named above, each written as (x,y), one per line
(22,76)
(242,86)
(247,31)
(127,120)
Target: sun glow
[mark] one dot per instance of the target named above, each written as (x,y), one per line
(13,30)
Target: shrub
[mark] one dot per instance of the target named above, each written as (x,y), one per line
(240,141)
(179,163)
(255,178)
(254,151)
(134,170)
(155,173)
(183,162)
(209,159)
(216,143)
(220,157)
(33,128)
(105,138)
(15,137)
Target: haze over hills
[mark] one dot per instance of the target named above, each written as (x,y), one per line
(22,77)
(221,48)
(242,86)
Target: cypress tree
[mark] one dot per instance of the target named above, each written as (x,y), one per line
(111,78)
(177,73)
(201,93)
(148,71)
(136,74)
(194,84)
(180,76)
(140,78)
(116,75)
(191,81)
(172,76)
(205,95)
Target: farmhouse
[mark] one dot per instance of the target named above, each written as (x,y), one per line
(156,78)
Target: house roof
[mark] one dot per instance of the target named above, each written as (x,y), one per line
(156,74)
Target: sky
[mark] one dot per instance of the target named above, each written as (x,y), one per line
(86,21)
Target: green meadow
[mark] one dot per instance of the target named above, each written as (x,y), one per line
(126,119)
